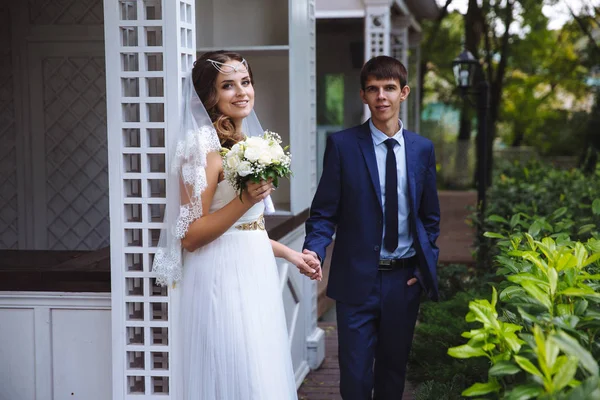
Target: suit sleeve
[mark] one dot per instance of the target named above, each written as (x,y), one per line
(322,222)
(429,209)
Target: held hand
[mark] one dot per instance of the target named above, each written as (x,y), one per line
(256,192)
(306,265)
(313,260)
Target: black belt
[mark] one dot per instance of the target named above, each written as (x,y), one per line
(388,265)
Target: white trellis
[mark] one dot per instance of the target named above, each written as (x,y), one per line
(148,45)
(377,34)
(9,218)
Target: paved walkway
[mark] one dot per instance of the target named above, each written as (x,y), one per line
(455,243)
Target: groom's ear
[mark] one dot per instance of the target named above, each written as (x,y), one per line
(362,96)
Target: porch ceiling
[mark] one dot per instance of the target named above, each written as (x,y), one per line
(423,9)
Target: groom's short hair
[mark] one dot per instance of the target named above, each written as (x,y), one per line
(383,67)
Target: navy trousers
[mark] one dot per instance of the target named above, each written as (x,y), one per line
(375,338)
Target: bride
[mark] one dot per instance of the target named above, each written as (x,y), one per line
(234,343)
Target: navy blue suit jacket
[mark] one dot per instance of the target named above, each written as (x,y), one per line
(348,203)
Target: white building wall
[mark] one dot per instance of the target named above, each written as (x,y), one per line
(55,346)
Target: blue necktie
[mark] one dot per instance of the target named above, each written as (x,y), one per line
(390,239)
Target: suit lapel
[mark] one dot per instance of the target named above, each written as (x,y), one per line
(368,150)
(411,165)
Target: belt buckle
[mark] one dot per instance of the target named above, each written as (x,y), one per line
(385,265)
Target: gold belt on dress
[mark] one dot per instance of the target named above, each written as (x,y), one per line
(259,224)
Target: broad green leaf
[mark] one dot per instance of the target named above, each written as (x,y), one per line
(479,389)
(581,254)
(535,228)
(494,235)
(581,306)
(596,206)
(513,342)
(531,241)
(503,368)
(585,229)
(515,220)
(579,292)
(563,309)
(528,366)
(497,218)
(565,374)
(558,213)
(552,279)
(511,291)
(466,351)
(484,313)
(539,295)
(588,389)
(524,392)
(525,277)
(572,347)
(591,259)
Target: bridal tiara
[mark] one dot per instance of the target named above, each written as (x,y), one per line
(228,69)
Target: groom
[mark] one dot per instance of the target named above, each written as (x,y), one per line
(378,195)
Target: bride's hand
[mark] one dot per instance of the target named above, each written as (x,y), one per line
(256,192)
(307,265)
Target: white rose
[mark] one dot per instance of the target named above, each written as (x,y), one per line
(244,168)
(276,152)
(265,158)
(252,154)
(254,141)
(233,161)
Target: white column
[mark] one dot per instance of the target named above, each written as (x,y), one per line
(377,32)
(415,46)
(399,39)
(149,45)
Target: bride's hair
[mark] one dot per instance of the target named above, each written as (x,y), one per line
(204,75)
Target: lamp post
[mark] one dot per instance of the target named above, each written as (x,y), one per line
(470,80)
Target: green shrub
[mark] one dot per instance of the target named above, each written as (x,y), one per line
(545,342)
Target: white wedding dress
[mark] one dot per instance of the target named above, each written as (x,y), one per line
(234,333)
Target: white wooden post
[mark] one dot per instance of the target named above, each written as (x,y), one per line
(415,45)
(399,37)
(149,45)
(377,32)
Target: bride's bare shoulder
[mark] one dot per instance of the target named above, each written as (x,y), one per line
(214,166)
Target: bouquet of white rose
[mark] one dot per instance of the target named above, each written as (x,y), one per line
(256,158)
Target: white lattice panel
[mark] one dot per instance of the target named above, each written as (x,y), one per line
(377,31)
(76,154)
(65,12)
(8,159)
(149,47)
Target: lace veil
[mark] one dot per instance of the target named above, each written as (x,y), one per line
(186,179)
